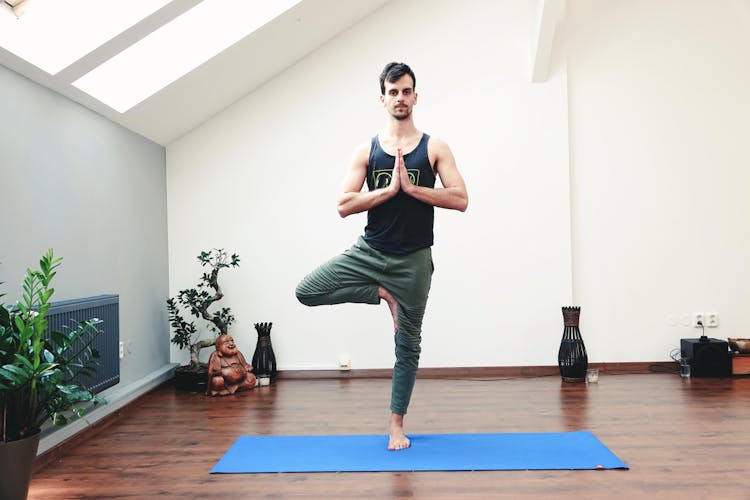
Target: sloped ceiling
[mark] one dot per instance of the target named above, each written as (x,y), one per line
(219,82)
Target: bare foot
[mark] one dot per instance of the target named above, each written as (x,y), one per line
(398,440)
(392,305)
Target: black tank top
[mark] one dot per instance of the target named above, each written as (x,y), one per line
(402,224)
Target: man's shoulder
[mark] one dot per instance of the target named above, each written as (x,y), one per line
(366,145)
(363,148)
(436,144)
(361,153)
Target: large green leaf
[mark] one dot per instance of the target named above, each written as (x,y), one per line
(22,361)
(48,356)
(58,338)
(20,325)
(16,374)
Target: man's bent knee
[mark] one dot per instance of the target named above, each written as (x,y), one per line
(304,297)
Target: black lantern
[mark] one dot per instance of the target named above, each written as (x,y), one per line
(572,357)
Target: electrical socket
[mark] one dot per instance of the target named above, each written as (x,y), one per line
(686,320)
(699,319)
(712,320)
(345,364)
(122,349)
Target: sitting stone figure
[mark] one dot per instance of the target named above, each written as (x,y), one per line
(227,369)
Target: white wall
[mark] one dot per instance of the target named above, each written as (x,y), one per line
(617,184)
(659,108)
(95,192)
(261,179)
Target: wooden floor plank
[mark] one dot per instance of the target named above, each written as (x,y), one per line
(682,438)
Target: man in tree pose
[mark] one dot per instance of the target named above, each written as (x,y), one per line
(393,260)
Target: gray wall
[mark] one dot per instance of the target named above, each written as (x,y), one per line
(95,192)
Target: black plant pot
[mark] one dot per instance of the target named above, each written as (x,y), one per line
(190,379)
(16,461)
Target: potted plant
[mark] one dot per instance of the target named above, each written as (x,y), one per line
(37,373)
(197,301)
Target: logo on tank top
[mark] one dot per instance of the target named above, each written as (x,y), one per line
(382,178)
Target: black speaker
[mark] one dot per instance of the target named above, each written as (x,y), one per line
(708,357)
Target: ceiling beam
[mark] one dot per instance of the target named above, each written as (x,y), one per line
(549,14)
(123,40)
(17,6)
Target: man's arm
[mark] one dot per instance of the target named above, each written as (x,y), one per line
(453,194)
(352,199)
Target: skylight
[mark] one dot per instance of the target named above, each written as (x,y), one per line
(176,49)
(53,34)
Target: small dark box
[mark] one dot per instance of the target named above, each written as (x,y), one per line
(708,357)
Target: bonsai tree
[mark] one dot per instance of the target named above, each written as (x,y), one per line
(198,301)
(38,369)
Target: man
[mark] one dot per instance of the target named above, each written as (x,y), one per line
(393,261)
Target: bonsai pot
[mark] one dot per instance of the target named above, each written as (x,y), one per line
(191,379)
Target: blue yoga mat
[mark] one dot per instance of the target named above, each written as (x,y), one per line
(428,452)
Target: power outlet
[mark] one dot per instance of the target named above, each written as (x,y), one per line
(122,349)
(712,320)
(699,319)
(345,364)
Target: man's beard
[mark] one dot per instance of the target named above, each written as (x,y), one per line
(402,116)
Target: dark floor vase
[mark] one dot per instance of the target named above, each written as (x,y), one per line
(16,461)
(264,360)
(572,358)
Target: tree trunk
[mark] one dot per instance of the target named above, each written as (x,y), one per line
(195,351)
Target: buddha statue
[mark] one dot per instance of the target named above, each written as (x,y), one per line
(228,371)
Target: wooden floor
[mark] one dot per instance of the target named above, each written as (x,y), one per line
(687,439)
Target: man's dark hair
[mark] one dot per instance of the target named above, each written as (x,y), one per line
(392,72)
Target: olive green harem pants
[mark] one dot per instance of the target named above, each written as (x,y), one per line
(354,277)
